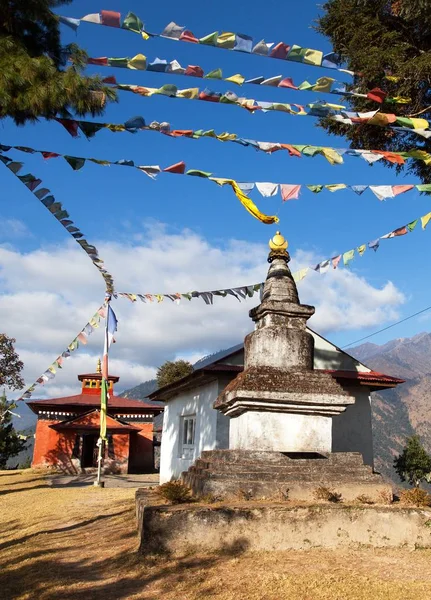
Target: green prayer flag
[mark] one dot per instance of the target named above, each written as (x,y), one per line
(424,187)
(216,74)
(210,39)
(412,225)
(297,53)
(315,188)
(75,162)
(133,23)
(118,62)
(197,173)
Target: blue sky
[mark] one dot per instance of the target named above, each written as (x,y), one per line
(122,206)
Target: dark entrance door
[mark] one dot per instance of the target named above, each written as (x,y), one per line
(88,451)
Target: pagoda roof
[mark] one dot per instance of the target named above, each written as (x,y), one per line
(89,400)
(96,376)
(91,421)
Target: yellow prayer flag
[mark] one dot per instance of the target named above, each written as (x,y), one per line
(226,137)
(323,84)
(313,57)
(145,35)
(419,123)
(420,154)
(332,156)
(334,187)
(380,119)
(159,297)
(138,62)
(299,275)
(238,79)
(251,207)
(220,180)
(425,220)
(361,249)
(226,40)
(190,93)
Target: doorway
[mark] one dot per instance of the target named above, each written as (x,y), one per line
(89,451)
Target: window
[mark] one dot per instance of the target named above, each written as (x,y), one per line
(187,439)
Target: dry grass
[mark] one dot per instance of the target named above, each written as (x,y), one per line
(80,544)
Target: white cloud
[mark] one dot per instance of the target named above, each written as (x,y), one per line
(49,295)
(13,228)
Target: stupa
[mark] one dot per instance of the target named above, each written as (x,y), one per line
(281,410)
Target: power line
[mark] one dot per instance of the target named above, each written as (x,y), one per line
(386,328)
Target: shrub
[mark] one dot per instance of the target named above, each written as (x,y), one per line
(363,499)
(415,497)
(174,491)
(326,494)
(385,497)
(242,494)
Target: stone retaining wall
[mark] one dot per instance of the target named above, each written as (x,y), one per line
(252,526)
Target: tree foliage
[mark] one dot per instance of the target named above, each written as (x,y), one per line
(389,43)
(414,463)
(171,371)
(10,365)
(35,79)
(11,443)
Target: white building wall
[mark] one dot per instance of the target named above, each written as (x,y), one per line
(352,430)
(197,402)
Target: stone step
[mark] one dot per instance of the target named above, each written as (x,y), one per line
(286,477)
(316,465)
(286,473)
(246,457)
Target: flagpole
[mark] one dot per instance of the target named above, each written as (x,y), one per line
(103,400)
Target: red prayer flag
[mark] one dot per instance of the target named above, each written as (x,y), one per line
(280,50)
(392,157)
(102,61)
(400,189)
(70,126)
(178,168)
(292,151)
(110,79)
(377,95)
(111,18)
(335,261)
(289,192)
(187,36)
(180,133)
(288,83)
(194,71)
(400,231)
(49,155)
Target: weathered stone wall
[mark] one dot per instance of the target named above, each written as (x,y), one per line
(273,527)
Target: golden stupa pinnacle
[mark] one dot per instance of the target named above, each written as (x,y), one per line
(99,366)
(278,242)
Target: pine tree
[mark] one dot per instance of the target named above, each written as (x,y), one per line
(172,371)
(389,43)
(414,463)
(10,365)
(35,79)
(11,443)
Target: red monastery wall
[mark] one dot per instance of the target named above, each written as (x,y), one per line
(52,448)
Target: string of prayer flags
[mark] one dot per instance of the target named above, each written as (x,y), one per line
(316,109)
(325,85)
(241,189)
(334,112)
(243,292)
(333,155)
(240,293)
(238,42)
(57,210)
(81,338)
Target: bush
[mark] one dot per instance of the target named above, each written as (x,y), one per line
(363,499)
(327,495)
(415,497)
(174,491)
(385,497)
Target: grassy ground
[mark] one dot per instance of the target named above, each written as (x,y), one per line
(80,544)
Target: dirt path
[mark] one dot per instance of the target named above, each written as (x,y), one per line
(80,544)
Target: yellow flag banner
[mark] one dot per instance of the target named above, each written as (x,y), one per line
(251,207)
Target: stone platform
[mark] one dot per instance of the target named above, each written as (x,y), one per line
(227,473)
(236,528)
